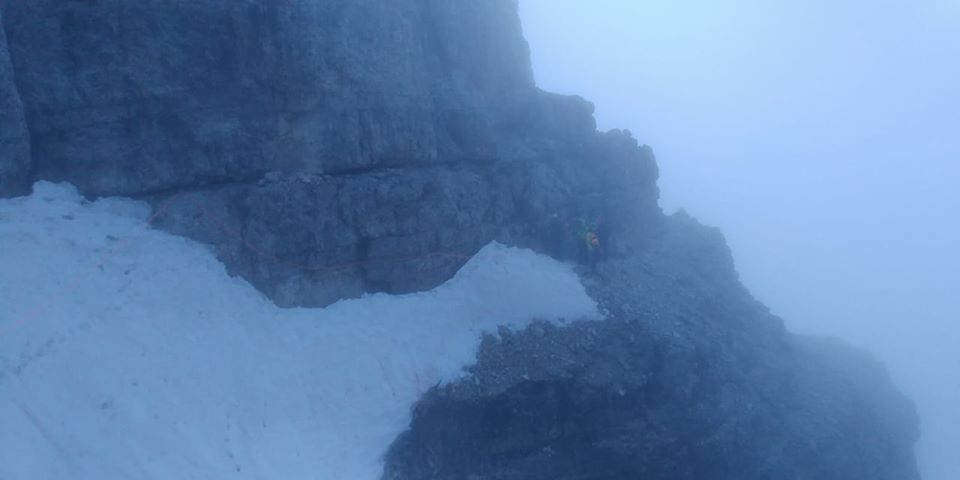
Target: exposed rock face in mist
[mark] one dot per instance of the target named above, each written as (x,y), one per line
(309,239)
(14,142)
(335,138)
(127,97)
(688,378)
(328,148)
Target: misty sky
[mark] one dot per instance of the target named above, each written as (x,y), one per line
(822,136)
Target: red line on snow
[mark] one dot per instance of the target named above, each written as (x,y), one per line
(74,283)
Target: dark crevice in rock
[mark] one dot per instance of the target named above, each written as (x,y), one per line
(377,170)
(202,186)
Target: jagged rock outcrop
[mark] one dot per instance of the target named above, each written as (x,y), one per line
(14,141)
(688,378)
(328,148)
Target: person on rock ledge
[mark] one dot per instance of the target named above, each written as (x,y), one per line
(591,247)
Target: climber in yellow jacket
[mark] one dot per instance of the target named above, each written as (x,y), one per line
(589,244)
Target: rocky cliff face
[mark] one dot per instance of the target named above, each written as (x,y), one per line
(127,97)
(336,147)
(689,377)
(326,148)
(308,239)
(14,142)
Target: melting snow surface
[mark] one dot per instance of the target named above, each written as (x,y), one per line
(128,353)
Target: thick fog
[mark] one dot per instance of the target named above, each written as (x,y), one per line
(823,137)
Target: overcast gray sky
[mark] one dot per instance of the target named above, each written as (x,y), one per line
(822,136)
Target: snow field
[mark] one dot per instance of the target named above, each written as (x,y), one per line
(127,352)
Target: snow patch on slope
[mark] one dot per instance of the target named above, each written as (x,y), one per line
(130,353)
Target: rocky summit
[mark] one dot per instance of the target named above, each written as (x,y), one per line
(331,148)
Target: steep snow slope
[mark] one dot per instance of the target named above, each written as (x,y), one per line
(130,353)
